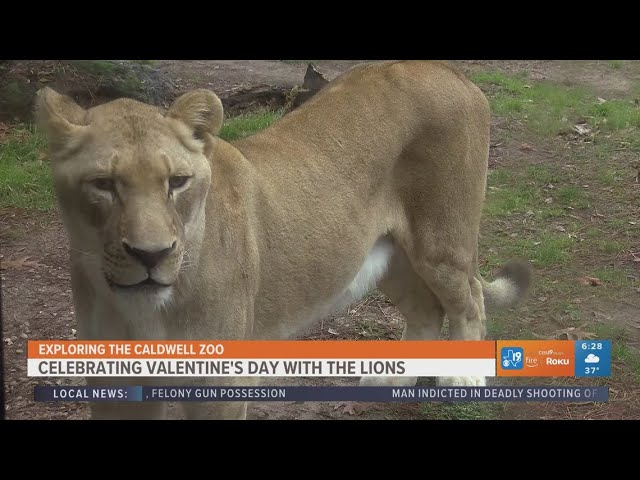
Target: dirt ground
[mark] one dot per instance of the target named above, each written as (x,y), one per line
(36,290)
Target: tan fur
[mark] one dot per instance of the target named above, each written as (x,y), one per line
(271,230)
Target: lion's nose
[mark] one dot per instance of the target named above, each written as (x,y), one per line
(147,257)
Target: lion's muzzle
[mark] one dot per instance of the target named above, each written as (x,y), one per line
(148,258)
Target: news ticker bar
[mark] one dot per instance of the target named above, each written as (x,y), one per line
(302,358)
(320,394)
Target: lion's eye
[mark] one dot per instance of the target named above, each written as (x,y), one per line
(105,184)
(178,181)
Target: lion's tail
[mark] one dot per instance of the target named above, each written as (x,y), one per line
(509,287)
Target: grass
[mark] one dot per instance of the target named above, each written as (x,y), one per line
(616,64)
(614,276)
(547,108)
(247,124)
(540,189)
(96,67)
(25,177)
(549,249)
(461,411)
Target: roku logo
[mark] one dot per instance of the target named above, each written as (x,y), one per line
(557,361)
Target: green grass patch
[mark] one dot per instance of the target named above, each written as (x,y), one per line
(617,222)
(615,114)
(573,196)
(571,311)
(548,108)
(526,191)
(96,67)
(25,178)
(610,246)
(616,64)
(462,411)
(244,125)
(546,250)
(506,201)
(614,276)
(627,355)
(544,174)
(607,177)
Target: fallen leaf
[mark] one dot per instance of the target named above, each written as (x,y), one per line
(19,264)
(592,281)
(332,332)
(350,408)
(601,100)
(574,333)
(582,129)
(548,200)
(560,228)
(527,147)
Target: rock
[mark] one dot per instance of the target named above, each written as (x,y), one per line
(314,81)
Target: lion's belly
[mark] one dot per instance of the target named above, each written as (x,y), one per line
(372,269)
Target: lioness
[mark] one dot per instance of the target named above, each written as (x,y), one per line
(378,180)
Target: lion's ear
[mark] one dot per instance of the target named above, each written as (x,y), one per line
(60,117)
(201,110)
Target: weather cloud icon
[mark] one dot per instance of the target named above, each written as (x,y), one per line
(591,358)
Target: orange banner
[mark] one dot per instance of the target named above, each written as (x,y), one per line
(260,349)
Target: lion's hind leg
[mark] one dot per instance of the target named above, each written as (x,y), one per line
(420,308)
(460,295)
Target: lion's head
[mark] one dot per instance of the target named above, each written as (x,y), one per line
(132,183)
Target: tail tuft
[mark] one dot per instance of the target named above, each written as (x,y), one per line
(509,287)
